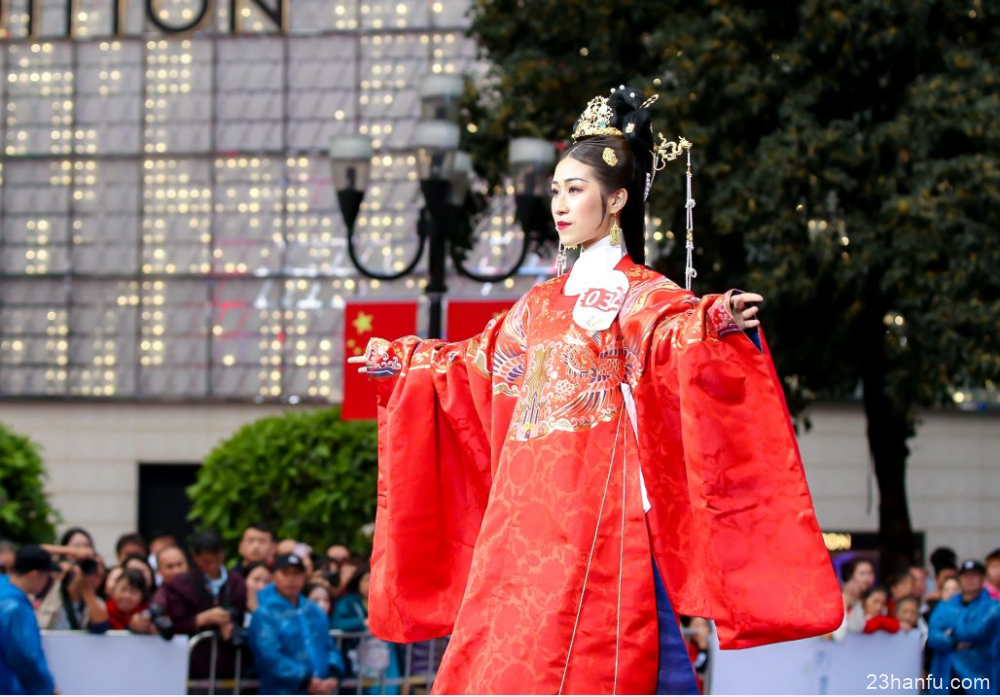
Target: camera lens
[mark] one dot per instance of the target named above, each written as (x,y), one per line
(164,626)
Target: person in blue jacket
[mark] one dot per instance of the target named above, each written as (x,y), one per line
(370,659)
(964,636)
(23,669)
(290,637)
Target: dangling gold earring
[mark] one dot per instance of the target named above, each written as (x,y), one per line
(615,233)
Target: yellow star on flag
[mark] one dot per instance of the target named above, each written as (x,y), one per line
(363,323)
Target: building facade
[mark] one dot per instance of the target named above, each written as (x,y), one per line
(173,261)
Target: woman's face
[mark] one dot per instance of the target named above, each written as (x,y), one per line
(577,208)
(80,541)
(321,596)
(864,576)
(125,596)
(257,579)
(950,588)
(875,604)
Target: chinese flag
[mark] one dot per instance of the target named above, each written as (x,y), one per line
(364,321)
(466,318)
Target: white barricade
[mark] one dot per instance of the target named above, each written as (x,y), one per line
(862,663)
(119,663)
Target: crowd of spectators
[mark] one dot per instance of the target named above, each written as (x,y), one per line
(275,605)
(958,619)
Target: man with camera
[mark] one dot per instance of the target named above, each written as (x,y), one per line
(23,669)
(208,598)
(73,602)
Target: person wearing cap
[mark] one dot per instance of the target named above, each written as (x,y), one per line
(965,637)
(23,668)
(290,638)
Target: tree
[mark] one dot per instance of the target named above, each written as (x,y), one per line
(309,474)
(846,167)
(26,516)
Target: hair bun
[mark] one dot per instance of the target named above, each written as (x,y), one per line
(634,120)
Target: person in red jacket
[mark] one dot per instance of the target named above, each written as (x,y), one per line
(128,599)
(875,601)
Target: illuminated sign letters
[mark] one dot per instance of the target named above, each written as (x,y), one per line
(197,14)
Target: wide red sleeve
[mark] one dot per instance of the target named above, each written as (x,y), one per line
(732,522)
(436,422)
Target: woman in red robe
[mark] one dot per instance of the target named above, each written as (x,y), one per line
(611,452)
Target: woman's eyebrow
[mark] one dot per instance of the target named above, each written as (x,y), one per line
(571,179)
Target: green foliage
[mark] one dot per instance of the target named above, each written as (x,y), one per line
(846,161)
(847,167)
(25,513)
(308,474)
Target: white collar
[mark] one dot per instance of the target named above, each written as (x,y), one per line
(594,261)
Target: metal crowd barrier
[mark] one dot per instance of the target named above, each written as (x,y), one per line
(357,684)
(375,680)
(418,664)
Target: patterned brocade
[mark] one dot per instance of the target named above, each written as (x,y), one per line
(509,507)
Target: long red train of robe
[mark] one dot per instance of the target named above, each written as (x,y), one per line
(732,526)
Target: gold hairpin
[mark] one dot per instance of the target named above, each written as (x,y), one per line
(609,157)
(649,102)
(663,152)
(668,150)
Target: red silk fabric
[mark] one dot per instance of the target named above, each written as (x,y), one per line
(509,512)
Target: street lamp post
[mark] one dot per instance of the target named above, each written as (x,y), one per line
(444,182)
(437,147)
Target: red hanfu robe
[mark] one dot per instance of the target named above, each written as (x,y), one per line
(509,507)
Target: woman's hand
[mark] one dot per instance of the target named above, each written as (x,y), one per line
(363,359)
(744,311)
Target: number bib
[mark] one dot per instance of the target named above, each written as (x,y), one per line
(597,307)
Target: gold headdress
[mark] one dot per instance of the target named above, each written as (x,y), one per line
(596,120)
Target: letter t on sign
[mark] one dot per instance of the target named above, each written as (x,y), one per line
(277,14)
